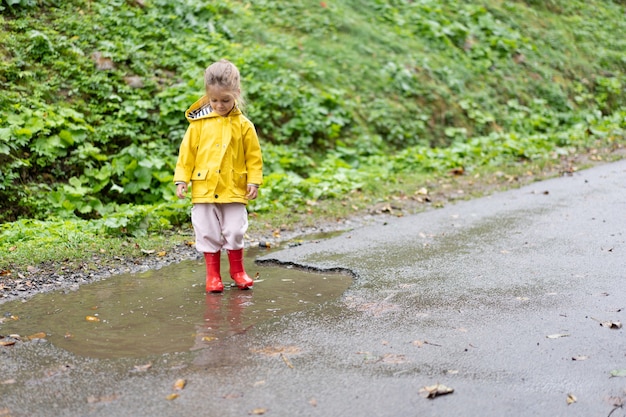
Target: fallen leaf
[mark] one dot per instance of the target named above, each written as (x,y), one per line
(209,338)
(40,335)
(161,254)
(436,390)
(172,396)
(457,171)
(557,335)
(393,358)
(105,399)
(7,342)
(618,372)
(92,318)
(180,384)
(368,356)
(277,350)
(571,399)
(286,360)
(142,368)
(258,411)
(611,324)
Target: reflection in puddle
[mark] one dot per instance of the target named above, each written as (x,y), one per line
(166,310)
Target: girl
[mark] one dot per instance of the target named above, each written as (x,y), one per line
(221,156)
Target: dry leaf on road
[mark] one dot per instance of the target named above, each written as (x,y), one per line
(180,384)
(557,335)
(436,390)
(611,324)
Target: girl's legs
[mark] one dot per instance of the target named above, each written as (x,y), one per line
(234,227)
(206,224)
(206,220)
(217,226)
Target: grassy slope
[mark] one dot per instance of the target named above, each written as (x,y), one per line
(370,57)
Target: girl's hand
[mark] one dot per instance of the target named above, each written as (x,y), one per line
(253,192)
(181,190)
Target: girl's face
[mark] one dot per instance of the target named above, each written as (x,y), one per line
(222,100)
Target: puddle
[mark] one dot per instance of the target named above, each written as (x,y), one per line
(165,310)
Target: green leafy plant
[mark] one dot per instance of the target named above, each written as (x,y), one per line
(344,95)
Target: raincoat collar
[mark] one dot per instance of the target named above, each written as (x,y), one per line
(202,108)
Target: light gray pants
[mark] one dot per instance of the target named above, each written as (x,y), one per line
(219,226)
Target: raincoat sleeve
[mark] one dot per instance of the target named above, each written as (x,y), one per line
(254,158)
(186,156)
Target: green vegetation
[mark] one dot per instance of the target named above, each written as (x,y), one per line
(353,100)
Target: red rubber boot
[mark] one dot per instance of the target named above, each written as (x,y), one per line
(213,277)
(237,273)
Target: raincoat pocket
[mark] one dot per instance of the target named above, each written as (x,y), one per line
(199,184)
(240,183)
(199,174)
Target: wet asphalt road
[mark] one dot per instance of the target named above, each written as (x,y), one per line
(500,298)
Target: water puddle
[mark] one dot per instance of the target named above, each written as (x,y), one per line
(165,310)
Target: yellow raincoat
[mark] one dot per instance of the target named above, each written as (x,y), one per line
(220,155)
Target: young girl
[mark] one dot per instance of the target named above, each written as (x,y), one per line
(221,156)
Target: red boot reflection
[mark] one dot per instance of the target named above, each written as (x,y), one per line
(223,317)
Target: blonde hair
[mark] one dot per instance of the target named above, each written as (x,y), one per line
(224,74)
